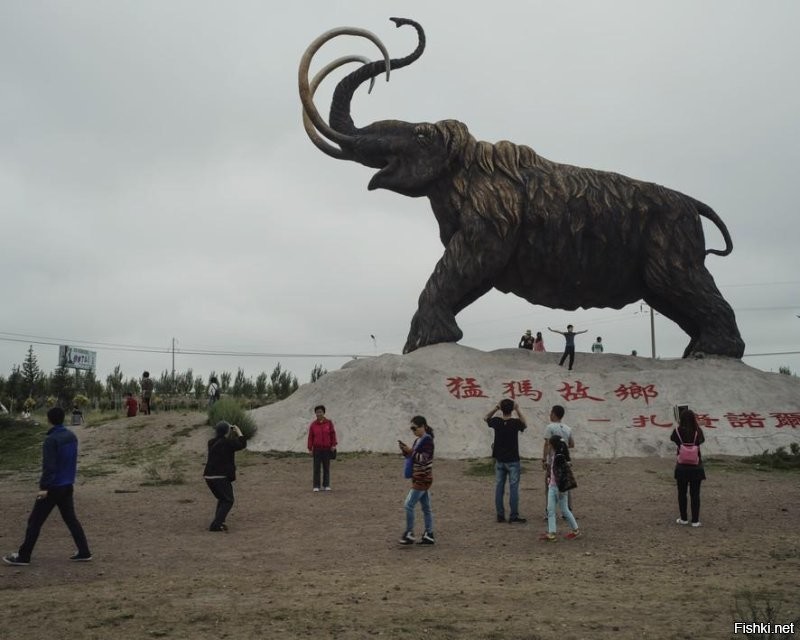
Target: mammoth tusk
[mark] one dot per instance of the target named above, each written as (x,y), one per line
(317,139)
(307,94)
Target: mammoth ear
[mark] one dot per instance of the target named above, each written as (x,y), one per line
(455,135)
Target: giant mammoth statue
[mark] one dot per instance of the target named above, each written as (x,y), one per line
(555,234)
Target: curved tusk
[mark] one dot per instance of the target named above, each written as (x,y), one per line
(316,138)
(306,94)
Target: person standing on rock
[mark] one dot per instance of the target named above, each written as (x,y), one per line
(569,344)
(220,469)
(689,473)
(538,342)
(505,451)
(526,341)
(322,446)
(419,468)
(59,468)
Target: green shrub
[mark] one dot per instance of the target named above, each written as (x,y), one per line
(230,410)
(778,459)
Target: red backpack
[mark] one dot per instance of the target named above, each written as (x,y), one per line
(688,453)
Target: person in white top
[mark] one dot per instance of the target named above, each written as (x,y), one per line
(555,428)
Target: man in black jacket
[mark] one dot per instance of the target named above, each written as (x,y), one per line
(59,467)
(220,471)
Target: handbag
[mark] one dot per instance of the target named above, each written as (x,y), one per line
(688,453)
(333,454)
(565,479)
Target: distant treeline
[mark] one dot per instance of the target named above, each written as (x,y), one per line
(28,387)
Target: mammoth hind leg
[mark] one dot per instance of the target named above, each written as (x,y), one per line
(688,296)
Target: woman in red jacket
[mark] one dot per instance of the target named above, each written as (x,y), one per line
(322,445)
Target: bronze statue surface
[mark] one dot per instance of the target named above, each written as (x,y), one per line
(554,234)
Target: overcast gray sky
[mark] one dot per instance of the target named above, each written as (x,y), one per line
(156,181)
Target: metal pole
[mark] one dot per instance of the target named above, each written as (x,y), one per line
(653,332)
(173,364)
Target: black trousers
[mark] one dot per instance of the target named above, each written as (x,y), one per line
(222,488)
(694,494)
(568,351)
(322,458)
(60,497)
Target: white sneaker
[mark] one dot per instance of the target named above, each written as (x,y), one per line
(679,521)
(315,489)
(326,488)
(696,524)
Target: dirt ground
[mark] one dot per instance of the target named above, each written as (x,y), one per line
(297,564)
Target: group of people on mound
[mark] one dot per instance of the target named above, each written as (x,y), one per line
(60,454)
(527,341)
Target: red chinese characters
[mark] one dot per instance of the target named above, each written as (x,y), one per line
(465,388)
(643,421)
(635,391)
(738,420)
(579,392)
(521,388)
(705,421)
(787,419)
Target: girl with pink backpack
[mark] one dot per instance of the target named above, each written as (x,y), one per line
(689,472)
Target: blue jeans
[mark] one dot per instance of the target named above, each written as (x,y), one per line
(553,496)
(424,499)
(503,470)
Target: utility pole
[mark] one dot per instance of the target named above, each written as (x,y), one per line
(653,332)
(173,364)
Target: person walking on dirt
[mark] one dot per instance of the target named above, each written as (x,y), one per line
(505,451)
(59,468)
(419,468)
(689,473)
(569,344)
(147,392)
(322,447)
(563,431)
(559,458)
(220,470)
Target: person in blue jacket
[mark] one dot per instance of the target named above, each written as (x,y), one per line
(59,467)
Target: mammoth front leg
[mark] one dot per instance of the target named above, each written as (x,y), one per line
(467,270)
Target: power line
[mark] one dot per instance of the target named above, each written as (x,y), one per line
(191,352)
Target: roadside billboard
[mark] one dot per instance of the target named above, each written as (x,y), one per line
(76,358)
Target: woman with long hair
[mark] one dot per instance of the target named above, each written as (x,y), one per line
(419,468)
(689,472)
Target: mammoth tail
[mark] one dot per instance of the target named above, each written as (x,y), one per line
(708,213)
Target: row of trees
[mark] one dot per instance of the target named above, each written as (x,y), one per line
(29,386)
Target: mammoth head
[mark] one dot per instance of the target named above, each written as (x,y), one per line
(409,156)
